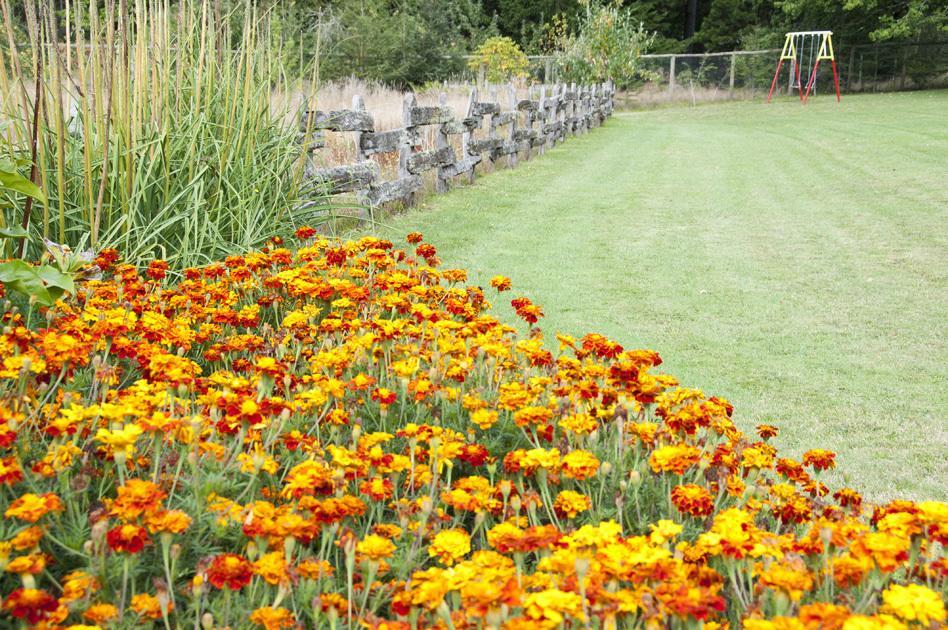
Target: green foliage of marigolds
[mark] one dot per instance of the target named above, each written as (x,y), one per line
(606,46)
(501,59)
(160,132)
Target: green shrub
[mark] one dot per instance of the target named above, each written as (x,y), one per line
(606,46)
(501,58)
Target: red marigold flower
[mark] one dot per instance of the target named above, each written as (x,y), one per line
(106,259)
(384,396)
(30,604)
(692,499)
(157,270)
(414,237)
(127,538)
(230,570)
(305,232)
(426,250)
(336,256)
(527,310)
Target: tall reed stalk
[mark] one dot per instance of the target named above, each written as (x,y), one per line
(159,133)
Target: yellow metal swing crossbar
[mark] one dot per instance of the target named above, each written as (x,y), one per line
(789,51)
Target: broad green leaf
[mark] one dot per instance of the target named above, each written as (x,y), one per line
(55,278)
(20,184)
(21,277)
(13,232)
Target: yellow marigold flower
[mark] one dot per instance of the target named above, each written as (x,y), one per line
(914,603)
(580,465)
(541,458)
(777,623)
(570,504)
(579,424)
(757,457)
(450,545)
(32,507)
(272,568)
(875,622)
(273,618)
(676,458)
(552,607)
(532,416)
(149,606)
(484,418)
(375,547)
(122,440)
(663,531)
(793,581)
(78,585)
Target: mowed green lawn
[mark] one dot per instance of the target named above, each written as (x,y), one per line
(791,259)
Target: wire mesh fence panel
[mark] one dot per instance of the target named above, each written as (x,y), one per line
(748,74)
(886,67)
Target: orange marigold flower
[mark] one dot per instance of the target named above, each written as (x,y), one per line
(168,522)
(580,465)
(149,606)
(766,431)
(792,581)
(30,564)
(27,539)
(127,538)
(692,499)
(569,503)
(157,269)
(377,488)
(414,237)
(273,618)
(676,458)
(316,569)
(501,283)
(32,507)
(100,613)
(888,551)
(30,604)
(819,459)
(450,545)
(135,498)
(272,568)
(823,615)
(228,570)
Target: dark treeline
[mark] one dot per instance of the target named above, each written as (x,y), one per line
(404,42)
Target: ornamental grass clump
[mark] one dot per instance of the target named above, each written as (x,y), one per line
(342,435)
(155,127)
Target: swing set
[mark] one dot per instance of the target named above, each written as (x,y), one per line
(820,45)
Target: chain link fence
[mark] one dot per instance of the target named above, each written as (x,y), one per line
(747,74)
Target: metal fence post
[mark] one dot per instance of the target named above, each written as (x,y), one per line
(671,74)
(733,63)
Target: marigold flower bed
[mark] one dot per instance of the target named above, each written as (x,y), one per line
(342,435)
